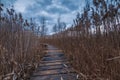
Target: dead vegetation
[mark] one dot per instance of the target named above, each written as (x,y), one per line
(20,48)
(93,44)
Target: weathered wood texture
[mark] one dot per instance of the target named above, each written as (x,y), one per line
(54,66)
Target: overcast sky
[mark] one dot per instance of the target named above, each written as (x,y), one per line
(51,9)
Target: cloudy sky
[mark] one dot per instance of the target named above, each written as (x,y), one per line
(50,9)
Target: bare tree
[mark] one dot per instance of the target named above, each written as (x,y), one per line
(55,29)
(43,27)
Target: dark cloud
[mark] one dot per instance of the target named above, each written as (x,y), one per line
(51,9)
(69,4)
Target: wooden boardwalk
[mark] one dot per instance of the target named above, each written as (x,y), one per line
(54,66)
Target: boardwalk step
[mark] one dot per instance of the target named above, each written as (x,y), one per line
(52,55)
(71,76)
(55,63)
(54,50)
(52,59)
(53,67)
(53,72)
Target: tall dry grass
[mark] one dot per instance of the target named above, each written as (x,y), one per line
(95,54)
(20,48)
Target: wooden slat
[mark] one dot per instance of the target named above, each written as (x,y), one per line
(53,67)
(52,72)
(55,63)
(53,50)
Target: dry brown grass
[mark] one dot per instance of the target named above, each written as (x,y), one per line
(20,48)
(94,54)
(96,58)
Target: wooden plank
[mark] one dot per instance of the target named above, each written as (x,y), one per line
(52,72)
(53,50)
(53,59)
(55,63)
(54,54)
(71,76)
(53,67)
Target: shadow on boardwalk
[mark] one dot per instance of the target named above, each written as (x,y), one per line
(54,66)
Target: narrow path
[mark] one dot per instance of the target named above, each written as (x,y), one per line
(54,66)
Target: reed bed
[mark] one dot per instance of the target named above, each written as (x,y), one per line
(92,44)
(20,47)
